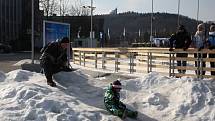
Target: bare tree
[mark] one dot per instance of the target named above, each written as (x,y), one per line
(64,7)
(74,9)
(50,7)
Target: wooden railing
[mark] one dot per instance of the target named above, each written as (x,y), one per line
(144,60)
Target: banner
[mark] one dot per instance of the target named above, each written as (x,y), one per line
(54,31)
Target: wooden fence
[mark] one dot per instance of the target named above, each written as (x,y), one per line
(144,60)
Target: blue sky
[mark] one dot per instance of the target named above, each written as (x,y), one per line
(187,7)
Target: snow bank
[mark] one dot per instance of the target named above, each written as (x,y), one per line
(2,76)
(170,98)
(25,61)
(25,96)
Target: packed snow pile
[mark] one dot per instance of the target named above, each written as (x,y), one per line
(78,96)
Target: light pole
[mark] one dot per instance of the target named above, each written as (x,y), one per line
(197,13)
(60,7)
(32,32)
(178,12)
(91,23)
(151,37)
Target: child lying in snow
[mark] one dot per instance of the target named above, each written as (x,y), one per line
(114,105)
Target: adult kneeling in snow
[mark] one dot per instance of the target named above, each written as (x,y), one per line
(114,105)
(54,58)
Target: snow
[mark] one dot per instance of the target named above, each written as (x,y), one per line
(25,61)
(25,96)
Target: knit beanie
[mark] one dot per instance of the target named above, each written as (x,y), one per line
(117,84)
(64,40)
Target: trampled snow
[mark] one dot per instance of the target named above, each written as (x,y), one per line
(25,96)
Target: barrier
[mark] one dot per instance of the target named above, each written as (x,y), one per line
(145,60)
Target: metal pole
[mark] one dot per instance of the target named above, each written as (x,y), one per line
(60,7)
(178,12)
(91,24)
(197,13)
(32,33)
(151,37)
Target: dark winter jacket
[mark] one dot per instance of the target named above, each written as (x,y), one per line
(211,40)
(112,102)
(180,40)
(53,53)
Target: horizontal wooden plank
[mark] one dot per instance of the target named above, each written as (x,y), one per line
(194,75)
(160,66)
(160,58)
(89,60)
(209,59)
(194,68)
(186,67)
(180,75)
(185,58)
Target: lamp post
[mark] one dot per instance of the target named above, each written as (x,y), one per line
(197,18)
(151,37)
(32,32)
(60,7)
(91,23)
(178,13)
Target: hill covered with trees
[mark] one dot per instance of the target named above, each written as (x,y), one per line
(137,26)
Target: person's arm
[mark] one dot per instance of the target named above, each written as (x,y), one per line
(171,41)
(209,41)
(188,41)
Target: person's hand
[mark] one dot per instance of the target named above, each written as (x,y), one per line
(199,49)
(67,69)
(170,49)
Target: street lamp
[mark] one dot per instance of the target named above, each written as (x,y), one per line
(178,12)
(198,13)
(151,37)
(32,32)
(91,23)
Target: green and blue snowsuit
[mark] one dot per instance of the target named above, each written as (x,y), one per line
(115,106)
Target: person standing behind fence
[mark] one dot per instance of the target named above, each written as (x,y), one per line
(181,40)
(211,45)
(199,42)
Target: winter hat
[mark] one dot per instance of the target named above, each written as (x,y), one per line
(200,27)
(117,84)
(212,27)
(64,40)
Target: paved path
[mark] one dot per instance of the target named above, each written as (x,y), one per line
(8,60)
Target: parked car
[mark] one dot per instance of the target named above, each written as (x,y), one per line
(5,48)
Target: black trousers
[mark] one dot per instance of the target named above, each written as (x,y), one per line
(198,64)
(49,69)
(212,63)
(181,63)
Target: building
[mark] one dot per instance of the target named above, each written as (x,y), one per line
(15,23)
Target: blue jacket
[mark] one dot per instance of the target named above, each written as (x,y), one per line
(211,40)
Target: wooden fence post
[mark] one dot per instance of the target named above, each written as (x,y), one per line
(73,56)
(170,64)
(96,59)
(198,65)
(116,61)
(148,59)
(131,56)
(103,60)
(201,63)
(79,57)
(173,62)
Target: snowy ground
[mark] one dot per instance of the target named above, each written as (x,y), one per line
(78,96)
